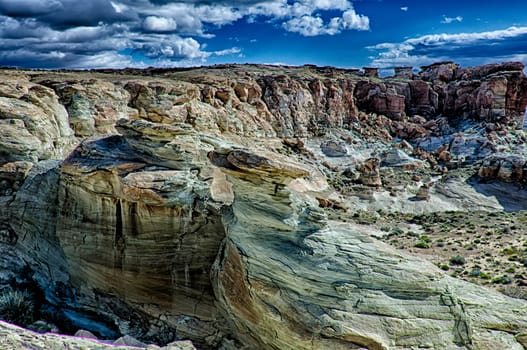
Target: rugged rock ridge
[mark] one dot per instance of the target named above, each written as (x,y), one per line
(195,204)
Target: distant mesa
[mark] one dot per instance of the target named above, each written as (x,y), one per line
(404,72)
(371,72)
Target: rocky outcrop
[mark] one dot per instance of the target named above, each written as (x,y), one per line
(286,278)
(34,124)
(491,92)
(369,172)
(136,220)
(195,205)
(306,107)
(93,105)
(504,167)
(13,337)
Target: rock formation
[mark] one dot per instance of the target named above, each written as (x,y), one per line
(212,204)
(13,337)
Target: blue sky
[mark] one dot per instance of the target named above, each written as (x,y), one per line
(342,33)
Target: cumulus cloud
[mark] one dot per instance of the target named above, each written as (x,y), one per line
(98,33)
(448,20)
(404,8)
(159,24)
(465,48)
(308,25)
(351,20)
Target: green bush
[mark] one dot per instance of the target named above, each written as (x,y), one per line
(17,307)
(422,245)
(476,272)
(397,231)
(484,275)
(426,238)
(502,280)
(457,260)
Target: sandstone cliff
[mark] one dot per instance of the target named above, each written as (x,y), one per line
(216,204)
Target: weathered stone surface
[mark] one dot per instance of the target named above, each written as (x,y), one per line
(93,105)
(206,217)
(403,72)
(333,149)
(443,71)
(369,172)
(146,233)
(33,124)
(85,334)
(506,167)
(287,279)
(13,337)
(380,98)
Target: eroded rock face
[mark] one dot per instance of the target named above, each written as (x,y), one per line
(144,231)
(198,209)
(506,167)
(34,124)
(286,278)
(93,105)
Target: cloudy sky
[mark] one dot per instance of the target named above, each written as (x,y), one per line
(343,33)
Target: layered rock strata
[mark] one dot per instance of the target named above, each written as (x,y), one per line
(194,204)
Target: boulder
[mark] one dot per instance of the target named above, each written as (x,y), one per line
(369,172)
(333,149)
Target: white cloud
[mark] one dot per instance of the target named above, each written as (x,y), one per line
(351,20)
(231,51)
(107,60)
(303,16)
(432,48)
(312,26)
(159,24)
(448,20)
(91,33)
(459,38)
(306,26)
(119,8)
(404,8)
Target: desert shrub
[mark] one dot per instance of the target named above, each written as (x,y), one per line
(397,231)
(457,260)
(509,251)
(485,276)
(412,234)
(17,307)
(476,272)
(422,245)
(502,280)
(426,238)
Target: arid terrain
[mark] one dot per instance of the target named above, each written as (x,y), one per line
(265,207)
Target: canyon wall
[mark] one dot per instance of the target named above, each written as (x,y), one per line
(191,204)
